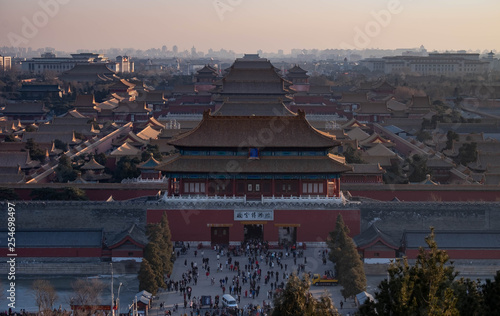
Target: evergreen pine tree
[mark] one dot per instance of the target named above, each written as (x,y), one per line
(156,237)
(296,300)
(422,289)
(469,297)
(169,247)
(147,278)
(349,267)
(491,294)
(151,254)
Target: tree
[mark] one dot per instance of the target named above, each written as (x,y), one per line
(10,139)
(30,128)
(394,174)
(87,292)
(152,255)
(73,194)
(350,270)
(450,137)
(423,135)
(158,254)
(469,297)
(418,170)
(491,296)
(147,278)
(59,144)
(352,155)
(101,159)
(169,247)
(155,236)
(65,171)
(467,153)
(295,299)
(422,289)
(36,153)
(79,135)
(126,168)
(45,295)
(153,150)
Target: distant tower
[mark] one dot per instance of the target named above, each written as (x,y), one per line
(299,78)
(193,52)
(164,49)
(491,55)
(124,64)
(175,49)
(423,51)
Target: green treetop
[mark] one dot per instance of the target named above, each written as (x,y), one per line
(343,252)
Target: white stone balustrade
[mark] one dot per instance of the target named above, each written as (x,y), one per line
(264,200)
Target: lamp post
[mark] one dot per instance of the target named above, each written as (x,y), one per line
(135,312)
(118,299)
(112,294)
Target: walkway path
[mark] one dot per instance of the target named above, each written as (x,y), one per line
(311,259)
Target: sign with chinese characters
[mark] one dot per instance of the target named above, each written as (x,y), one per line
(246,215)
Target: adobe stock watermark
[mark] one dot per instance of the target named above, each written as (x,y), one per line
(381,19)
(30,27)
(224,6)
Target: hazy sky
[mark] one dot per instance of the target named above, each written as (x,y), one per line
(250,25)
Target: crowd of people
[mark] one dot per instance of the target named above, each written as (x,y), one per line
(253,272)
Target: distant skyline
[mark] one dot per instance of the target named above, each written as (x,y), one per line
(246,26)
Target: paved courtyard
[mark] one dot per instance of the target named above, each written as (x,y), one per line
(311,259)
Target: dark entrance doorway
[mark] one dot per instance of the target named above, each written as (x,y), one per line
(254,232)
(287,235)
(219,235)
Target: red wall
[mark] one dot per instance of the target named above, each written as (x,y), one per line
(54,252)
(191,225)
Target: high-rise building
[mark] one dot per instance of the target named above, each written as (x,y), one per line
(5,63)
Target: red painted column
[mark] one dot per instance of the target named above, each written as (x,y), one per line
(181,186)
(234,187)
(206,186)
(337,187)
(273,187)
(300,187)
